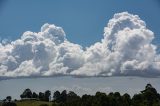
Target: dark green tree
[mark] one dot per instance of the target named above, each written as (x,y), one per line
(101,99)
(9,98)
(126,99)
(147,97)
(56,96)
(41,96)
(26,94)
(71,97)
(63,96)
(34,95)
(47,95)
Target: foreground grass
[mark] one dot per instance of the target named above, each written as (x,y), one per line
(34,103)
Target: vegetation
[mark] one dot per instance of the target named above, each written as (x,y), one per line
(148,97)
(34,103)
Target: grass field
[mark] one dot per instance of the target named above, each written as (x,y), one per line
(33,103)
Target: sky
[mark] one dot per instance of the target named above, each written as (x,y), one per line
(82,20)
(79,38)
(81,86)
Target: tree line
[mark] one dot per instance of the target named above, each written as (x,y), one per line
(148,97)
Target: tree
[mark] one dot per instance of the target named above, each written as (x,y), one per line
(56,96)
(101,99)
(26,94)
(22,96)
(150,94)
(9,98)
(63,96)
(8,102)
(126,99)
(34,95)
(47,95)
(137,99)
(87,100)
(60,97)
(71,96)
(118,99)
(41,96)
(147,97)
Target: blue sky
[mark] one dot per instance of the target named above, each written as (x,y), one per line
(82,20)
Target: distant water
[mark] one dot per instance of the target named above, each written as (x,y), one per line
(131,85)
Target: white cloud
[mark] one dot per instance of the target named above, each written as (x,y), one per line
(126,49)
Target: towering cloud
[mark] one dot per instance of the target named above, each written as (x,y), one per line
(126,49)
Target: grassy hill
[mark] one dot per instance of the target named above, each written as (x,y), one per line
(33,103)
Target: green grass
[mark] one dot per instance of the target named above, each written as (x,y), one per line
(33,103)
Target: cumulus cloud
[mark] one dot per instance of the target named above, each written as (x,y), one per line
(126,49)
